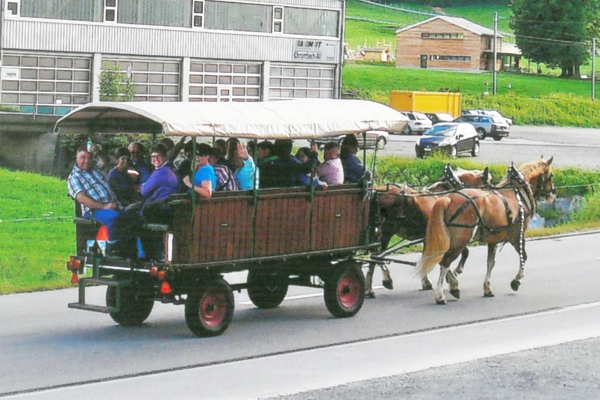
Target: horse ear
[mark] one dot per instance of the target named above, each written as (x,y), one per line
(486,175)
(550,160)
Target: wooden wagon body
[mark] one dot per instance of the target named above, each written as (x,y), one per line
(281,236)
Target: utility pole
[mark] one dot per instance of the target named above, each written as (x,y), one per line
(495,49)
(593,69)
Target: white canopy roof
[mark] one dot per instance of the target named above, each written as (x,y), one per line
(291,119)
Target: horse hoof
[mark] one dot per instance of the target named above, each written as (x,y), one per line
(388,284)
(440,302)
(488,295)
(370,295)
(428,287)
(455,293)
(514,285)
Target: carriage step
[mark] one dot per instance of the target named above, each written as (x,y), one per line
(104,281)
(91,307)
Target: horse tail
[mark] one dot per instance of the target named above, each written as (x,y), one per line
(437,238)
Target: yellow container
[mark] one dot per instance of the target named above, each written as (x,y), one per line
(446,102)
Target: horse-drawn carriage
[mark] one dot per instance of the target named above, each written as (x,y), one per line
(292,236)
(281,236)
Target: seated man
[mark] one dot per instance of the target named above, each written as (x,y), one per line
(267,165)
(138,161)
(88,187)
(291,171)
(331,171)
(354,170)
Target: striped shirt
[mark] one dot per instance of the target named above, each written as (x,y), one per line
(92,184)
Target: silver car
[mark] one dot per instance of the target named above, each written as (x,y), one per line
(486,126)
(417,123)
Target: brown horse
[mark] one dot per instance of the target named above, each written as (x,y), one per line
(490,216)
(405,212)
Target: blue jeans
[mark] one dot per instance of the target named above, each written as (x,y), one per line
(107,217)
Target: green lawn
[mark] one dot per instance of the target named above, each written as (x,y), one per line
(37,232)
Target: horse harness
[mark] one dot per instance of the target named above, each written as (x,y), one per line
(523,194)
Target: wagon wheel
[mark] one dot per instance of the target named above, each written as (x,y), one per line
(344,290)
(267,289)
(209,308)
(136,304)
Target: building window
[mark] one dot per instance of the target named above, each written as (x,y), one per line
(110,11)
(291,82)
(243,17)
(305,21)
(438,35)
(221,81)
(450,58)
(154,80)
(198,14)
(12,8)
(277,19)
(46,80)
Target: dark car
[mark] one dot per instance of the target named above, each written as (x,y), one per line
(449,137)
(436,118)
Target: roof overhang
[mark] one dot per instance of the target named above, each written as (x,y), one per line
(291,119)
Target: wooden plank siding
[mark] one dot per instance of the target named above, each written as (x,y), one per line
(410,46)
(228,227)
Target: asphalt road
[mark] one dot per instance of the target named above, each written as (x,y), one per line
(49,351)
(571,147)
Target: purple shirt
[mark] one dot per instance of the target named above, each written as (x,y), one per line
(331,172)
(162,183)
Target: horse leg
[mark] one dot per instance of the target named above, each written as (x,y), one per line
(387,281)
(426,284)
(439,289)
(522,258)
(369,293)
(461,264)
(491,260)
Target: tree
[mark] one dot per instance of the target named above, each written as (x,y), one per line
(115,85)
(555,32)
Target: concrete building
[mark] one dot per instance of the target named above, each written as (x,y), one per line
(453,43)
(53,52)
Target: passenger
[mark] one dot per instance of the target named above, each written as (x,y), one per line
(163,181)
(120,181)
(173,149)
(331,171)
(185,165)
(205,180)
(225,178)
(353,168)
(304,155)
(138,162)
(88,187)
(267,165)
(231,153)
(221,144)
(291,170)
(246,174)
(251,146)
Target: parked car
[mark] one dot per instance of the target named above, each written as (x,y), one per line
(450,137)
(486,126)
(379,138)
(436,118)
(491,113)
(418,122)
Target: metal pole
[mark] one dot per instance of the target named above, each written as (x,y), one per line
(494,73)
(594,69)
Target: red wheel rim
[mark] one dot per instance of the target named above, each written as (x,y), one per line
(348,290)
(213,308)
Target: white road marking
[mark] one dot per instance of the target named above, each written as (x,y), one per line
(337,365)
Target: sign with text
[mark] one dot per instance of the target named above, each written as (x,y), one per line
(314,51)
(11,74)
